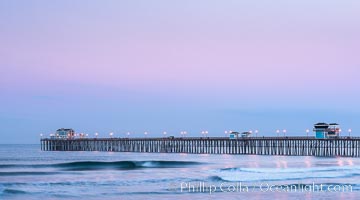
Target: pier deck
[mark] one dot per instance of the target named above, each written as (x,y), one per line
(287,146)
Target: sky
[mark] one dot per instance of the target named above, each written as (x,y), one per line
(183,65)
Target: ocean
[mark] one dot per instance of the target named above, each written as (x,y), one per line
(28,173)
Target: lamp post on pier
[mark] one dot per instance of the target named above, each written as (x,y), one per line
(349,132)
(307,132)
(277,132)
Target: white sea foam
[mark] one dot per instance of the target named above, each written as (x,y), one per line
(278,174)
(149,164)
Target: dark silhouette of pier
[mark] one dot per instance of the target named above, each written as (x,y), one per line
(286,146)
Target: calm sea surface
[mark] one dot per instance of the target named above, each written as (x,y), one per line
(28,173)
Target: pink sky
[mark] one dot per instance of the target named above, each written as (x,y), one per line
(261,54)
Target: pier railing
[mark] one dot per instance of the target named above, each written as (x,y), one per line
(291,146)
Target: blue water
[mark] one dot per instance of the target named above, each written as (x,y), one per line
(28,173)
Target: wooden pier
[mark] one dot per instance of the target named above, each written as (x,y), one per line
(284,146)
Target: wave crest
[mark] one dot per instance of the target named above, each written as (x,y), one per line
(122,165)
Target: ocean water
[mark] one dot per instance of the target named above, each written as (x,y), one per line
(28,173)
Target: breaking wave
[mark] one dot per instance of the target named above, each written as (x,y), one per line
(121,165)
(99,165)
(283,174)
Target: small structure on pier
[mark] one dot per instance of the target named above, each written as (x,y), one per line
(65,133)
(334,130)
(323,130)
(234,135)
(245,134)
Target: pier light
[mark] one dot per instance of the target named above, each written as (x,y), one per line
(277,132)
(41,135)
(164,133)
(145,133)
(349,132)
(307,132)
(128,133)
(183,133)
(204,133)
(87,135)
(111,134)
(96,135)
(256,132)
(284,131)
(340,132)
